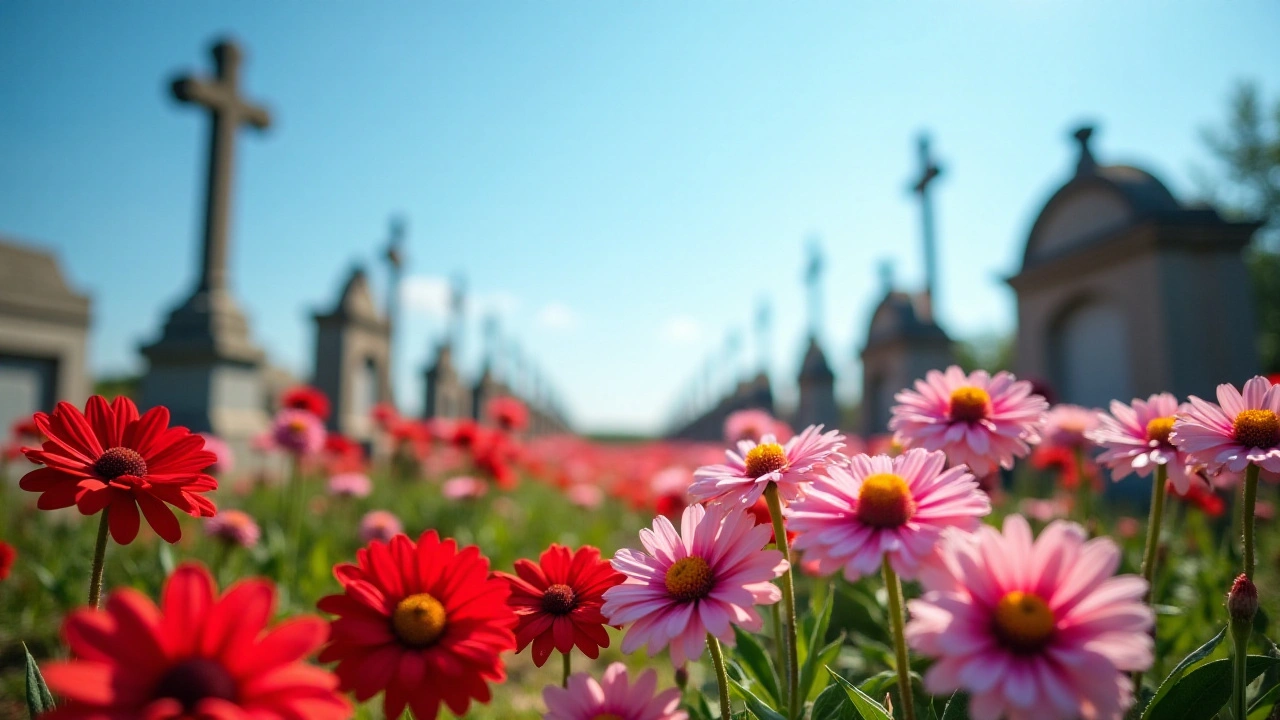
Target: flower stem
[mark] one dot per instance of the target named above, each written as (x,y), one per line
(99,560)
(1240,631)
(722,678)
(896,618)
(564,681)
(1084,488)
(788,600)
(1149,553)
(1250,500)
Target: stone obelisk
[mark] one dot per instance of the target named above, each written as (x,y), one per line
(205,367)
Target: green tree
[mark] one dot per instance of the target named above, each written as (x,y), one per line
(1247,148)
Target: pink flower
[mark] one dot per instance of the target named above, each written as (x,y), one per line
(754,466)
(615,697)
(1136,439)
(1068,426)
(881,506)
(298,432)
(350,484)
(704,579)
(226,461)
(753,425)
(977,420)
(463,487)
(585,495)
(1032,629)
(379,525)
(1242,430)
(1042,509)
(233,526)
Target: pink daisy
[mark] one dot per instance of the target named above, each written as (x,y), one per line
(463,487)
(235,527)
(1032,629)
(1068,426)
(701,580)
(977,420)
(755,465)
(298,432)
(1135,439)
(379,525)
(753,425)
(882,506)
(350,484)
(1241,430)
(615,698)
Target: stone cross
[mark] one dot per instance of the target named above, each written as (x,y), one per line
(929,172)
(395,270)
(221,96)
(457,310)
(813,279)
(1086,164)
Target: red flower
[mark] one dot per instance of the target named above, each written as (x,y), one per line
(111,459)
(421,621)
(198,656)
(305,397)
(385,415)
(1063,461)
(7,556)
(558,601)
(763,517)
(508,413)
(1202,496)
(342,454)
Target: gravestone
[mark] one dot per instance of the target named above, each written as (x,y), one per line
(1126,291)
(817,404)
(43,329)
(205,367)
(353,358)
(904,340)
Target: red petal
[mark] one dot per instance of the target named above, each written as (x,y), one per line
(185,602)
(123,518)
(159,517)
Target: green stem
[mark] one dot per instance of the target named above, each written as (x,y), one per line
(1240,631)
(295,519)
(779,647)
(1150,552)
(722,678)
(564,681)
(1250,500)
(788,600)
(99,561)
(1084,488)
(897,620)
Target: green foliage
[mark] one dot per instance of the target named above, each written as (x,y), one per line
(116,385)
(39,700)
(867,708)
(1203,691)
(990,352)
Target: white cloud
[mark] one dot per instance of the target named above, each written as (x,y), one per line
(557,316)
(680,330)
(425,295)
(431,295)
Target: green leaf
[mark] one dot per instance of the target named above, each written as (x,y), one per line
(826,656)
(166,559)
(957,707)
(814,657)
(1196,656)
(755,705)
(867,708)
(833,704)
(1261,707)
(756,660)
(1202,692)
(39,699)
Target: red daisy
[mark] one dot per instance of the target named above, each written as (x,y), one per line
(110,459)
(508,413)
(7,556)
(558,601)
(305,397)
(199,656)
(422,622)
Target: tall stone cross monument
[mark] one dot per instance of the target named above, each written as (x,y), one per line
(205,367)
(929,172)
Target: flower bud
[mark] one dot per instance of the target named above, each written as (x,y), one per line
(682,677)
(1242,601)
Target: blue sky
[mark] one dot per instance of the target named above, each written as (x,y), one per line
(623,181)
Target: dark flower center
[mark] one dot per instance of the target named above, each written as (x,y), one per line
(196,679)
(120,461)
(764,459)
(969,404)
(559,599)
(690,579)
(1257,428)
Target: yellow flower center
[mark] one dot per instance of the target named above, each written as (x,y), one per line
(689,579)
(764,459)
(885,501)
(969,404)
(419,620)
(298,426)
(1024,622)
(1158,430)
(1257,428)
